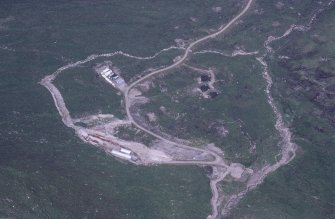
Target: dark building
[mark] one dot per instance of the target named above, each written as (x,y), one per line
(205,78)
(204,88)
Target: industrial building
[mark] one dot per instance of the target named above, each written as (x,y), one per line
(110,76)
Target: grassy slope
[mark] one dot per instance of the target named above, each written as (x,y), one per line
(304,188)
(45,171)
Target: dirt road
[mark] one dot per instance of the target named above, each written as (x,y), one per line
(144,152)
(187,53)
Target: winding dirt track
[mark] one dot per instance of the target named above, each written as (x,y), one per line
(188,51)
(218,160)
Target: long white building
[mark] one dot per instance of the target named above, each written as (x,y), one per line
(121,155)
(125,151)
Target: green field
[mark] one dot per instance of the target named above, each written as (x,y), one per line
(303,83)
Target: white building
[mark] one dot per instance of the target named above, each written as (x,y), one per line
(121,155)
(125,151)
(111,77)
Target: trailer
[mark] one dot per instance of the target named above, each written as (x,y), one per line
(125,151)
(121,155)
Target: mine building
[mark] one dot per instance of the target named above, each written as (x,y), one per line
(110,76)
